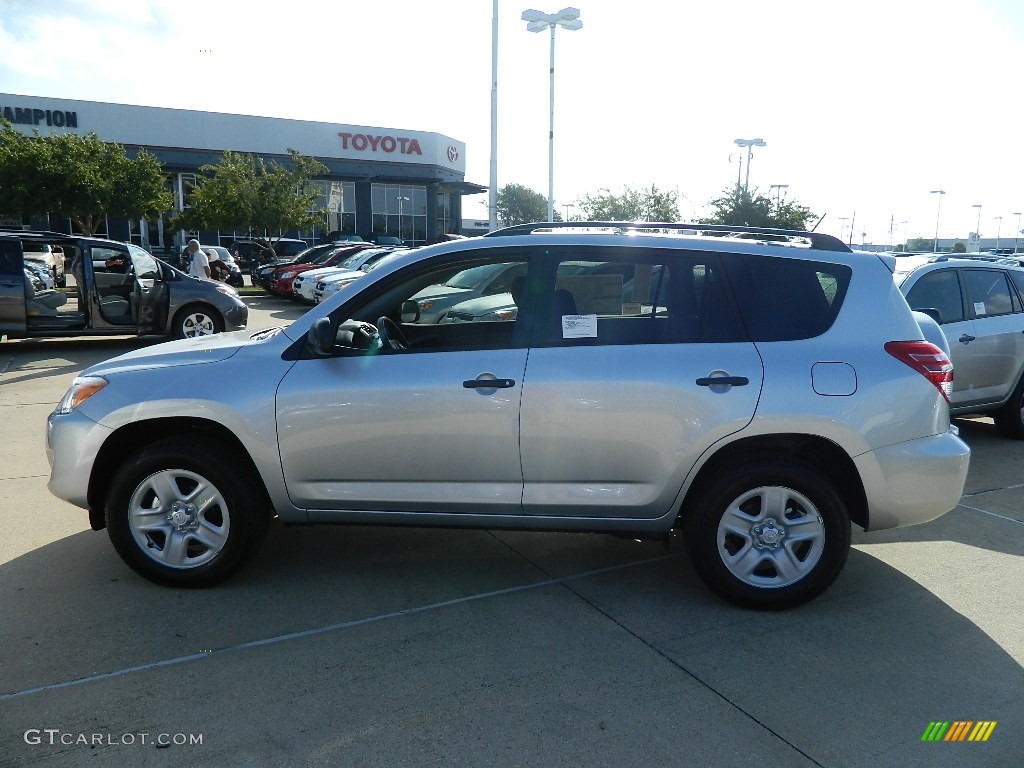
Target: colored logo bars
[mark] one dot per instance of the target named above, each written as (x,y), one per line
(959,730)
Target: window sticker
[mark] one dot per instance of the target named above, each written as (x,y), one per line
(579,326)
(979,308)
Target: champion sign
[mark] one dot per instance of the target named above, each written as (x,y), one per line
(361,142)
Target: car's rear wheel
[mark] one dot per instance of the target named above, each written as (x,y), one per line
(177,519)
(1010,418)
(768,534)
(196,320)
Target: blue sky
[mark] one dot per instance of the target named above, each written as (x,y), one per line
(865,107)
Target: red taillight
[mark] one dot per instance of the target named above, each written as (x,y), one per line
(928,360)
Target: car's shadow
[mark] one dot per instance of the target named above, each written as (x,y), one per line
(23,360)
(877,650)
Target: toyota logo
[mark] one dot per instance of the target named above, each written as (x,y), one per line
(453,154)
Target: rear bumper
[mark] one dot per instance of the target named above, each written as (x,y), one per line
(914,482)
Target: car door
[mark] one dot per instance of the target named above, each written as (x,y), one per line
(621,398)
(941,290)
(150,292)
(12,286)
(430,429)
(998,329)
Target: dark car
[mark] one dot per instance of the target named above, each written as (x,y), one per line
(261,272)
(280,280)
(119,289)
(254,252)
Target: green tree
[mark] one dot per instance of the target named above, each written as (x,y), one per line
(518,204)
(958,248)
(632,205)
(741,206)
(244,192)
(920,245)
(80,177)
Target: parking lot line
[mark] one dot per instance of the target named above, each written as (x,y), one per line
(276,639)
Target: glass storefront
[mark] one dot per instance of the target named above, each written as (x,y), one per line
(400,210)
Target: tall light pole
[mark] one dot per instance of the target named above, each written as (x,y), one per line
(904,223)
(567,18)
(778,192)
(492,194)
(749,144)
(940,193)
(999,229)
(1016,233)
(401,199)
(977,227)
(842,226)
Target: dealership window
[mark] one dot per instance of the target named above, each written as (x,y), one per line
(400,210)
(338,200)
(447,220)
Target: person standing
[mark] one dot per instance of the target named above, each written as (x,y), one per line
(199,265)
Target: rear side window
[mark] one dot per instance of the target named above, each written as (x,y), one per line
(787,299)
(10,257)
(989,293)
(619,296)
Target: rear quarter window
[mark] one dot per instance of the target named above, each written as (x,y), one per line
(783,299)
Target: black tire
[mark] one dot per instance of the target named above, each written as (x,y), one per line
(210,526)
(196,320)
(769,534)
(1009,418)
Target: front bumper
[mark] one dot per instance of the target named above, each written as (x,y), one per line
(236,316)
(914,482)
(72,444)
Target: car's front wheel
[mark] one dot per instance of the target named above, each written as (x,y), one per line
(768,534)
(177,519)
(196,320)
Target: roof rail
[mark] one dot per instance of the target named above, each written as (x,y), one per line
(817,240)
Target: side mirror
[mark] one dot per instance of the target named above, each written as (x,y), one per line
(410,311)
(320,338)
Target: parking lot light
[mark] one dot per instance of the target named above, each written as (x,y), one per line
(537,21)
(940,193)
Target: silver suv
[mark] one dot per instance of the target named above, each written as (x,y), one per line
(979,306)
(755,393)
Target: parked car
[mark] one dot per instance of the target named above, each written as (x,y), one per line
(280,280)
(383,238)
(328,285)
(119,289)
(785,391)
(486,280)
(304,282)
(979,305)
(261,274)
(254,252)
(40,274)
(50,254)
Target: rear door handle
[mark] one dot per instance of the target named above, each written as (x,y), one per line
(489,383)
(966,338)
(732,381)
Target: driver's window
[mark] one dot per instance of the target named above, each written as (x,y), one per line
(473,304)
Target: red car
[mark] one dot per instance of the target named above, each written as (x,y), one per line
(280,281)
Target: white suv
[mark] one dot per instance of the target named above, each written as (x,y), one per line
(757,394)
(50,255)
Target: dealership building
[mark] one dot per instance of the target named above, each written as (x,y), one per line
(379,180)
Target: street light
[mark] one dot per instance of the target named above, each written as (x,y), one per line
(492,191)
(940,193)
(1016,234)
(567,18)
(749,144)
(400,200)
(977,227)
(778,191)
(999,229)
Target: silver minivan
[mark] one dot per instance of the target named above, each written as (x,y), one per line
(119,289)
(757,394)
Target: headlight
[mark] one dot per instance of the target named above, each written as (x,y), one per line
(425,305)
(286,276)
(227,289)
(82,388)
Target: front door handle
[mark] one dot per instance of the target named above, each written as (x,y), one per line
(489,383)
(717,381)
(966,338)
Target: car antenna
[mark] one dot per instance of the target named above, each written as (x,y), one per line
(819,221)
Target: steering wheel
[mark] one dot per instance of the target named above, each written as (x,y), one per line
(391,335)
